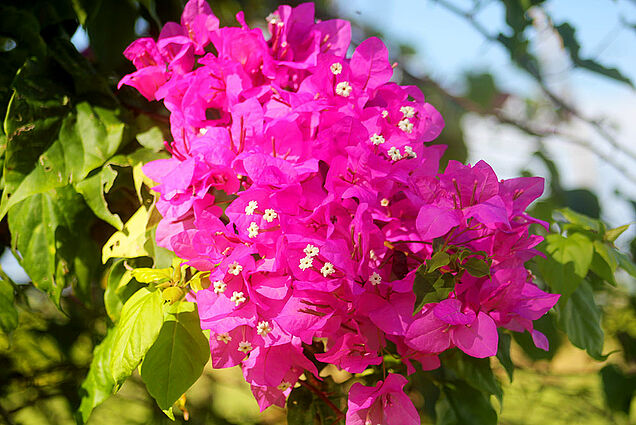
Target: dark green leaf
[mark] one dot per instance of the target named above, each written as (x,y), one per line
(625,263)
(464,405)
(439,259)
(560,277)
(99,383)
(604,263)
(482,89)
(476,372)
(503,354)
(8,313)
(49,232)
(176,359)
(136,331)
(301,409)
(84,143)
(111,27)
(571,44)
(477,267)
(618,387)
(431,287)
(546,325)
(580,318)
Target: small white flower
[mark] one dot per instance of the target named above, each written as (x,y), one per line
(394,153)
(385,113)
(235,268)
(283,386)
(273,18)
(202,131)
(306,263)
(343,89)
(375,279)
(384,202)
(406,126)
(245,346)
(327,269)
(219,287)
(252,230)
(377,139)
(372,255)
(225,337)
(270,215)
(251,207)
(237,298)
(408,111)
(336,68)
(263,328)
(409,151)
(311,250)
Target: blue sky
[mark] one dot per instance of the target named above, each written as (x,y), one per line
(447,47)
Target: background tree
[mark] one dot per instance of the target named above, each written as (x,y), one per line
(72,146)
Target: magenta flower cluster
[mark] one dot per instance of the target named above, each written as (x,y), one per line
(300,180)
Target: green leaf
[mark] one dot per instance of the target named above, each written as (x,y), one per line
(111,27)
(580,318)
(477,267)
(8,313)
(566,214)
(575,248)
(482,89)
(503,354)
(560,277)
(571,44)
(625,262)
(49,233)
(84,143)
(151,139)
(301,409)
(99,383)
(618,388)
(93,188)
(439,259)
(138,327)
(87,83)
(476,372)
(128,242)
(464,405)
(431,287)
(176,359)
(604,263)
(148,275)
(612,234)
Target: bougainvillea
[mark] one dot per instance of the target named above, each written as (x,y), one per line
(300,179)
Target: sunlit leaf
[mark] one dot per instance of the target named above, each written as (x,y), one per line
(176,359)
(138,327)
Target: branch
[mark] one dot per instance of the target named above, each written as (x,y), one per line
(539,133)
(323,397)
(558,101)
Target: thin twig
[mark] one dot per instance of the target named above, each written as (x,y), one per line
(558,101)
(324,398)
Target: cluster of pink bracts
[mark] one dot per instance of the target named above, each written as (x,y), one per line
(336,202)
